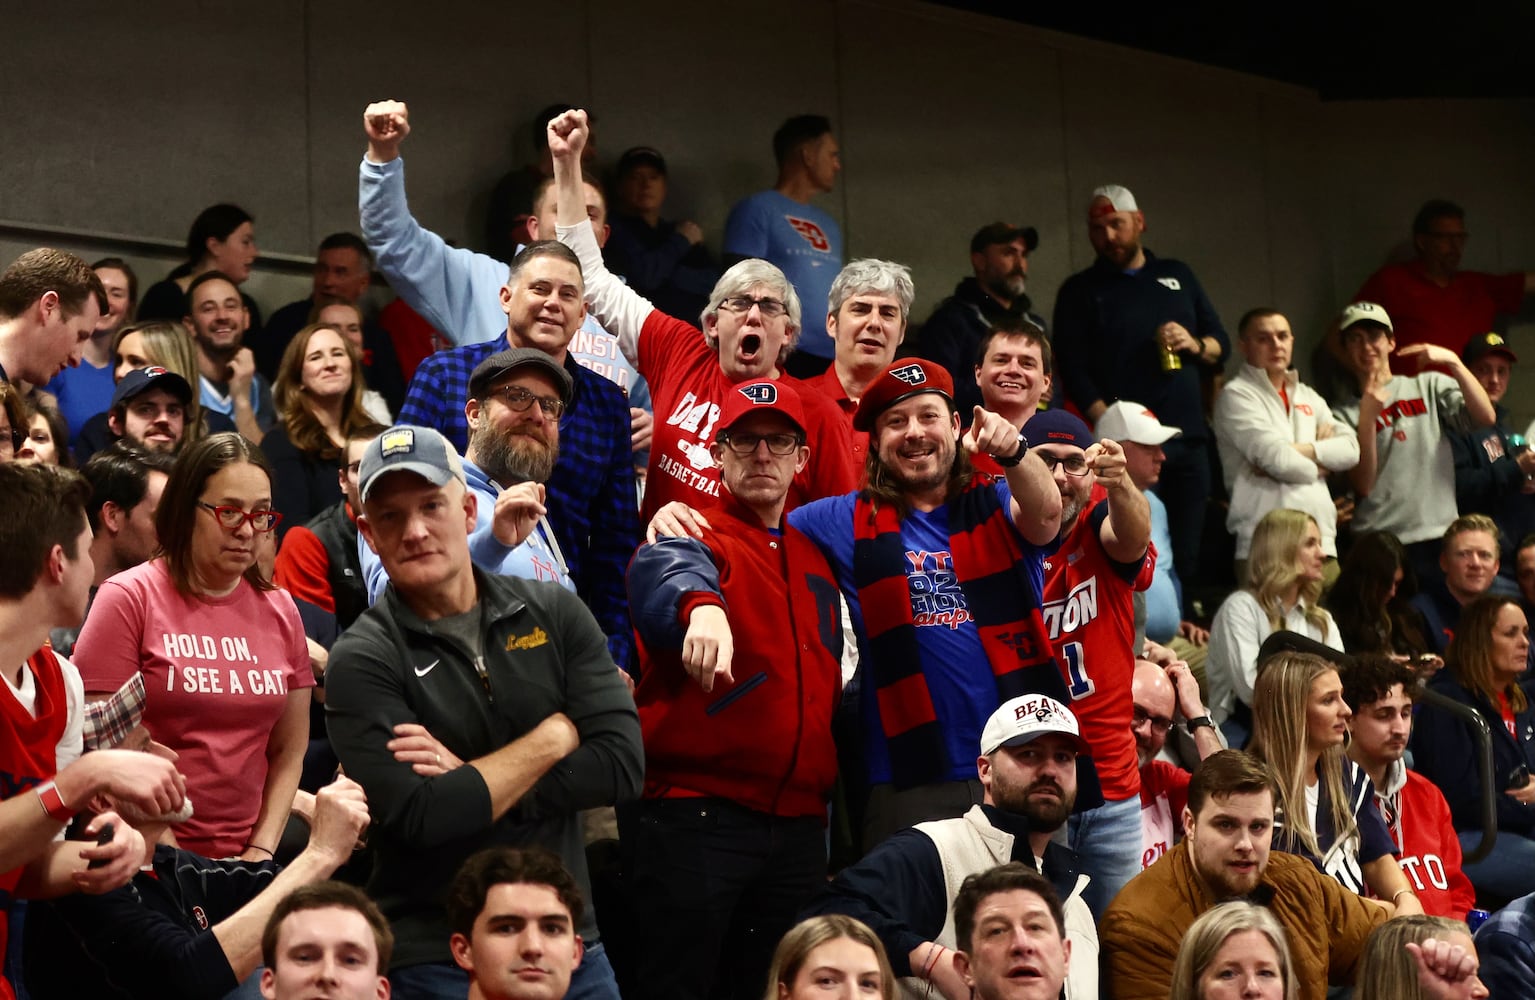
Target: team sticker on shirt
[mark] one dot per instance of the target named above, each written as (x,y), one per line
(220,679)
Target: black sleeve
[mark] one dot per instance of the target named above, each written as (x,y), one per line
(897,890)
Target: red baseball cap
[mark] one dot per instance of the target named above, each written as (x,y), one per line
(762,397)
(905,377)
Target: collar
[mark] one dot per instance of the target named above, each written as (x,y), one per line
(1395,779)
(1261,375)
(495,597)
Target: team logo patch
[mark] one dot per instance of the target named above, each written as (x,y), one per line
(155,371)
(1493,340)
(400,441)
(761,393)
(812,233)
(910,374)
(532,640)
(1171,283)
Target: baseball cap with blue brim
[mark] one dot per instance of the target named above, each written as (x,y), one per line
(404,448)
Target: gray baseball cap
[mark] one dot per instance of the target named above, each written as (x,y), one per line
(510,360)
(404,448)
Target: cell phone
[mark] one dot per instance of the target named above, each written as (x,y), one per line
(1519,777)
(105,835)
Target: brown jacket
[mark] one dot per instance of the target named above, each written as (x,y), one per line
(1325,923)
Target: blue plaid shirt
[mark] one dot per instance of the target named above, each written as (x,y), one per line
(591,495)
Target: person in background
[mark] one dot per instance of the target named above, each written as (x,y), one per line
(152,344)
(1284,582)
(47,436)
(1235,950)
(664,261)
(1421,958)
(1494,466)
(84,391)
(1008,921)
(319,394)
(1487,663)
(1469,561)
(327,939)
(346,319)
(1371,602)
(222,238)
(780,226)
(50,301)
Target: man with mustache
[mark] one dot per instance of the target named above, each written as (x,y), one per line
(1228,825)
(1138,326)
(148,409)
(904,889)
(1101,556)
(749,330)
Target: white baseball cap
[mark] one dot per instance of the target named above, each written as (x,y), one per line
(1361,312)
(1126,421)
(1117,195)
(1025,719)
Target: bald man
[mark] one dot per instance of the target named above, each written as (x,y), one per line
(1157,693)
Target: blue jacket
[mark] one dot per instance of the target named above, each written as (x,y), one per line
(1444,753)
(1506,946)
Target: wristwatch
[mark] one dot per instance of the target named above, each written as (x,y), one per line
(1009,461)
(1198,722)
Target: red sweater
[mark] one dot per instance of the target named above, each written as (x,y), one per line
(1430,850)
(764,741)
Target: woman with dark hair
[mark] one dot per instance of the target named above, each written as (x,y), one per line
(222,238)
(13,422)
(222,650)
(47,437)
(86,390)
(1370,600)
(319,395)
(1487,662)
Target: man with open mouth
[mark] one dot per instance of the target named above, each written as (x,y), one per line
(749,329)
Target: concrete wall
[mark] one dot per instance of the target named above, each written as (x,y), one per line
(947,120)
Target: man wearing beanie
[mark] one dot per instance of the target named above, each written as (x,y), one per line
(1101,556)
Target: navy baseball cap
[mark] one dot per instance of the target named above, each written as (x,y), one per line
(1058,427)
(154,377)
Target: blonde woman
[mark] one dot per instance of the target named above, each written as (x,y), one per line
(1420,958)
(1235,950)
(1284,569)
(1324,803)
(826,949)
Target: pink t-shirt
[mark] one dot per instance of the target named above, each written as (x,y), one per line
(217,671)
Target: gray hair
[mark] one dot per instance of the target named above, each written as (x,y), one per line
(739,281)
(870,275)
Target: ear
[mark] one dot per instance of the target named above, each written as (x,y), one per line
(341,481)
(783,991)
(716,451)
(471,509)
(383,988)
(57,563)
(472,412)
(209,243)
(962,966)
(115,422)
(1066,950)
(462,951)
(532,224)
(580,952)
(1188,822)
(111,517)
(269,984)
(954,423)
(802,461)
(602,237)
(977,261)
(506,299)
(831,325)
(48,304)
(366,530)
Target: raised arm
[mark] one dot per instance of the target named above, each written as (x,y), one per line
(1126,532)
(454,289)
(1479,409)
(1036,503)
(621,310)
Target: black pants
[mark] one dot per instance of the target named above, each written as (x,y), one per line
(712,886)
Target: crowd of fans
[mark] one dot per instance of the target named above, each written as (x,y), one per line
(606,618)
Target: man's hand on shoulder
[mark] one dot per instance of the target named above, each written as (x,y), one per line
(386,123)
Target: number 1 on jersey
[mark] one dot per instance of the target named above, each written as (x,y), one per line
(1078,684)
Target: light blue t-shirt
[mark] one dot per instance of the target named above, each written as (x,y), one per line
(805,243)
(959,675)
(1163,601)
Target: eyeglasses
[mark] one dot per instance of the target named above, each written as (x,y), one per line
(746,444)
(1074,465)
(231,518)
(1159,724)
(520,399)
(770,308)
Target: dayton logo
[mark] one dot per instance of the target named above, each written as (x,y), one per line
(910,374)
(1170,283)
(813,233)
(761,393)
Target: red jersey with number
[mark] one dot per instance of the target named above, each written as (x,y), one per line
(1089,611)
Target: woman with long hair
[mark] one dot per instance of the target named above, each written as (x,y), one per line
(1234,950)
(319,395)
(1486,671)
(221,238)
(1324,803)
(47,437)
(1419,958)
(1284,584)
(1370,600)
(829,947)
(13,422)
(226,668)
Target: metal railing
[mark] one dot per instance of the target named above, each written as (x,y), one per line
(1482,736)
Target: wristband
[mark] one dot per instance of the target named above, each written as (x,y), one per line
(53,803)
(263,850)
(1010,461)
(1398,895)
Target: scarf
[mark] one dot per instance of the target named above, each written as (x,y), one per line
(988,562)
